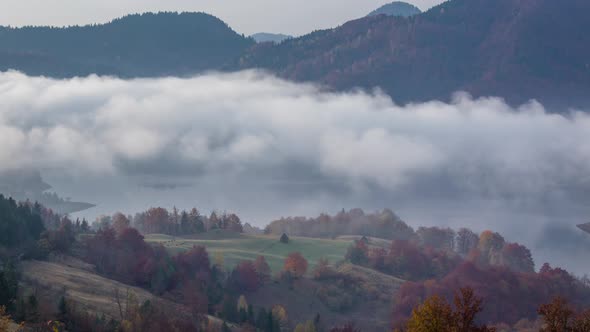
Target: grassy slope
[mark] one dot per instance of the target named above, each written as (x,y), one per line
(89,291)
(238,247)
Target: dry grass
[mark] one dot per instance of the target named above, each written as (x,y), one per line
(86,290)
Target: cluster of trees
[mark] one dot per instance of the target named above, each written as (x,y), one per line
(161,221)
(511,295)
(404,259)
(384,224)
(8,286)
(125,256)
(559,316)
(487,248)
(434,252)
(435,249)
(439,260)
(436,313)
(21,225)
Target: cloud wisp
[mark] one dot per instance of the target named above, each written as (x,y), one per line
(248,122)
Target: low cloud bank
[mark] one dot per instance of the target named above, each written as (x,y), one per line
(248,131)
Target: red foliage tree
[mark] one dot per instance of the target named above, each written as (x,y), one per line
(193,264)
(246,277)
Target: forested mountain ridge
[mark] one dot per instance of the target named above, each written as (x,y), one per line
(133,46)
(515,49)
(510,48)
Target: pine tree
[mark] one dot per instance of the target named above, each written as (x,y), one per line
(63,310)
(284,238)
(32,309)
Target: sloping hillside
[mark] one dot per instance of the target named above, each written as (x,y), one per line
(368,305)
(135,45)
(517,49)
(89,291)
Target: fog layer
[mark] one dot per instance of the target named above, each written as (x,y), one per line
(263,147)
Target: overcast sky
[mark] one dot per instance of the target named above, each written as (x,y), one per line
(281,16)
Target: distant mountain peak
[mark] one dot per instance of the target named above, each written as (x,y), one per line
(263,37)
(397,8)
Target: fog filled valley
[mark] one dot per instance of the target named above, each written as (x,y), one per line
(214,140)
(405,171)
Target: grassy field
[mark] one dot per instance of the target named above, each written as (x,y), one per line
(237,247)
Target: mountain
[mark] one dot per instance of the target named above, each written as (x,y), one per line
(585,227)
(397,8)
(132,46)
(517,49)
(264,37)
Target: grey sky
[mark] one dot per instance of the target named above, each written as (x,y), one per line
(284,16)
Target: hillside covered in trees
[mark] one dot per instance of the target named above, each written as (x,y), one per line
(132,46)
(509,48)
(391,275)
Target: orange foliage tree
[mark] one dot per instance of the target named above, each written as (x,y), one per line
(295,264)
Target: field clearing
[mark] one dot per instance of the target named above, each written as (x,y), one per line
(238,247)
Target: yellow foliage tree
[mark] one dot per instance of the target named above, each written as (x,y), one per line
(280,313)
(242,303)
(434,315)
(308,326)
(219,259)
(5,320)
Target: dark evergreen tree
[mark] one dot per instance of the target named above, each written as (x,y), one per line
(8,286)
(284,238)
